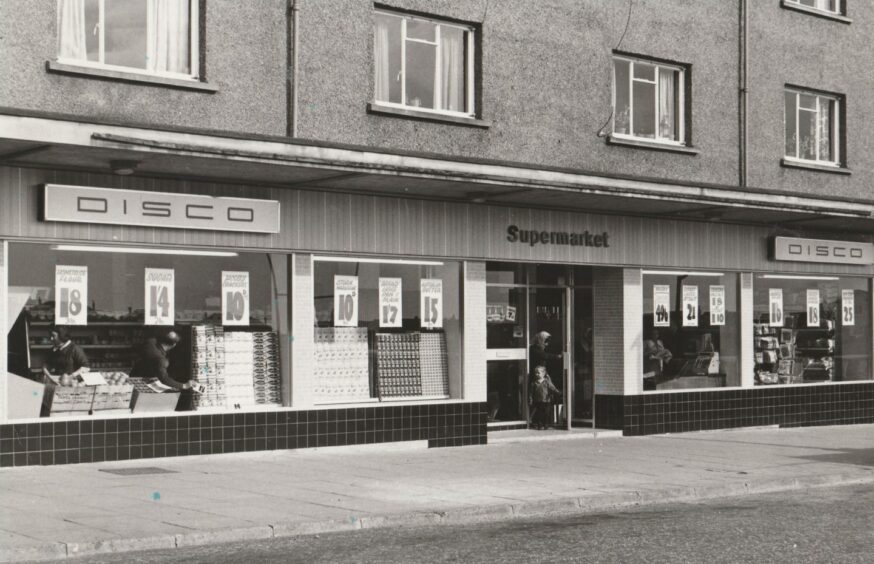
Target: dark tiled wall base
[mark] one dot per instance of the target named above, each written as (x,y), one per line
(844,404)
(96,440)
(608,411)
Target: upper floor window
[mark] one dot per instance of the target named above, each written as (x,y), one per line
(423,64)
(812,127)
(830,6)
(158,37)
(648,100)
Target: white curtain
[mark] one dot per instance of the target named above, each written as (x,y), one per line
(71,30)
(381,63)
(666,104)
(452,79)
(167,41)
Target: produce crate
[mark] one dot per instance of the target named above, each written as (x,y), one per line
(146,399)
(109,396)
(66,400)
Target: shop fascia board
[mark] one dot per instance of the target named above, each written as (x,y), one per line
(145,140)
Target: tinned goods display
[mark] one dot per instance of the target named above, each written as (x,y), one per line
(342,370)
(398,370)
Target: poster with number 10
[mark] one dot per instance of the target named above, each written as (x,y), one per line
(71,295)
(235,298)
(431,310)
(345,301)
(160,296)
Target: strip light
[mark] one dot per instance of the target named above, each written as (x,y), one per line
(378,260)
(683,273)
(143,251)
(795,277)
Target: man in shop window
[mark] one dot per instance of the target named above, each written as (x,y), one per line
(655,355)
(66,357)
(154,362)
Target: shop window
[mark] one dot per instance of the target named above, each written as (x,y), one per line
(812,126)
(828,6)
(811,329)
(423,64)
(156,37)
(649,100)
(691,333)
(386,330)
(154,330)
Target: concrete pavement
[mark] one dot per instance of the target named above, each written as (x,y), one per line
(67,511)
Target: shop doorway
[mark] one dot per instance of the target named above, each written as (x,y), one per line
(539,314)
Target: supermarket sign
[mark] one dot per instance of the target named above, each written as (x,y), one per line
(822,251)
(84,204)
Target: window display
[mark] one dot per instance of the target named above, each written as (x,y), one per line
(386,329)
(811,329)
(99,327)
(691,330)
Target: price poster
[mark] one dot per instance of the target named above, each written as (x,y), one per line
(813,308)
(690,306)
(717,305)
(431,310)
(160,296)
(661,303)
(775,307)
(390,302)
(345,301)
(235,298)
(71,295)
(848,307)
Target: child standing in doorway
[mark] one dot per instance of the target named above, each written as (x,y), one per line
(540,397)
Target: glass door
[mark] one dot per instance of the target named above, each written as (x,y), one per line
(583,358)
(507,396)
(549,345)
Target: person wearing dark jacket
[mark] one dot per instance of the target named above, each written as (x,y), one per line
(540,397)
(66,356)
(154,362)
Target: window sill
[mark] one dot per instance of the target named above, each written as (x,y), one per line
(426,116)
(652,145)
(788,163)
(814,12)
(65,68)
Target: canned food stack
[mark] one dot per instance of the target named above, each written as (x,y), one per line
(265,371)
(239,353)
(342,368)
(397,364)
(208,365)
(434,364)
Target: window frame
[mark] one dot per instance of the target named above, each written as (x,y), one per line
(469,65)
(193,50)
(837,127)
(838,11)
(658,65)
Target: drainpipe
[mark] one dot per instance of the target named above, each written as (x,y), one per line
(743,94)
(291,51)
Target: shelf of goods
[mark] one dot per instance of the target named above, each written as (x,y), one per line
(109,345)
(791,356)
(238,369)
(411,364)
(342,372)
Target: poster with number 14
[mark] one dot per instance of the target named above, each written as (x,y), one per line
(160,296)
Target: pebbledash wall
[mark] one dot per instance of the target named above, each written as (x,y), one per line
(386,226)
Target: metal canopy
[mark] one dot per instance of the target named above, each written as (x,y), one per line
(65,144)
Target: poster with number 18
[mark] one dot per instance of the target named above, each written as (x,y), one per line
(235,298)
(71,295)
(160,296)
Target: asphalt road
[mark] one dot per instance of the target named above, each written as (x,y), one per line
(820,525)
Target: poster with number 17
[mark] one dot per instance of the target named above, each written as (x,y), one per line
(71,295)
(160,296)
(431,305)
(235,298)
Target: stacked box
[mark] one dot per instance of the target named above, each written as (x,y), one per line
(208,360)
(434,364)
(265,368)
(342,371)
(239,356)
(397,365)
(67,400)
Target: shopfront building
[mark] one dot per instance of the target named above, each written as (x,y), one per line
(343,319)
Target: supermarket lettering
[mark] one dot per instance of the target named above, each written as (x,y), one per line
(534,237)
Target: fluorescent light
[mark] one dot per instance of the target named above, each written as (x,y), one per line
(683,273)
(378,260)
(794,277)
(143,251)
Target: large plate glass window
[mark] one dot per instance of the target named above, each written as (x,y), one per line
(648,100)
(830,6)
(386,329)
(157,37)
(691,330)
(90,327)
(811,329)
(424,64)
(812,123)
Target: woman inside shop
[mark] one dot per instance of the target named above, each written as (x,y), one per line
(66,357)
